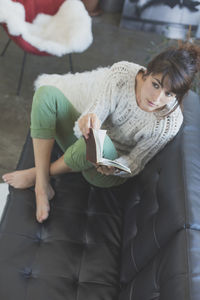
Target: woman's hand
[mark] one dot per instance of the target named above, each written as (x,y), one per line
(106,170)
(88,121)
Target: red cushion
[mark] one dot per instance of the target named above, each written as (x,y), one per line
(32,8)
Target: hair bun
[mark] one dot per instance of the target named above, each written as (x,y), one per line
(194,52)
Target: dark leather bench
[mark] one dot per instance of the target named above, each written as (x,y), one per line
(139,241)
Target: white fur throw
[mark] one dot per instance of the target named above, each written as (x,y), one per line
(3,196)
(70,30)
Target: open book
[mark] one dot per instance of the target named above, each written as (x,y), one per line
(94,150)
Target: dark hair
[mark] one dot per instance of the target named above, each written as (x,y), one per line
(179,66)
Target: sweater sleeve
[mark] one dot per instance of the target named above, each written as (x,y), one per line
(150,145)
(105,98)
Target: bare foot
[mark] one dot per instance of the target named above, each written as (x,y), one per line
(43,195)
(20,179)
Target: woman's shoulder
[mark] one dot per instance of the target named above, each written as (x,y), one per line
(126,67)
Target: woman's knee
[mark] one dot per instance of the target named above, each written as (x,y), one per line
(46,96)
(43,113)
(75,156)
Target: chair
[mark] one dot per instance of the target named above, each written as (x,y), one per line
(46,27)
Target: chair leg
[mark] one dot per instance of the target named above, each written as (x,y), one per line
(21,73)
(71,64)
(5,48)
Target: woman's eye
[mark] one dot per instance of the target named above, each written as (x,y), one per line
(155,85)
(168,94)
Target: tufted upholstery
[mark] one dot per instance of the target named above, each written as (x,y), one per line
(140,241)
(75,254)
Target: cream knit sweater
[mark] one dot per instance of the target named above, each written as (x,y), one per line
(110,93)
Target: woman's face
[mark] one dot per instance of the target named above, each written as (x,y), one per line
(152,96)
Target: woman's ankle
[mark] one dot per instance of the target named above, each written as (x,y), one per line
(42,183)
(42,177)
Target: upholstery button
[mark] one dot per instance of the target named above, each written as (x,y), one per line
(137,198)
(27,272)
(38,238)
(76,282)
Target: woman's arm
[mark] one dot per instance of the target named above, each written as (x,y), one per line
(105,99)
(88,121)
(150,145)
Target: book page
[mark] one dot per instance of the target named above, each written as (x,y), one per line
(99,136)
(117,165)
(94,150)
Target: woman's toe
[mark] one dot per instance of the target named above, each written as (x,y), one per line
(39,217)
(12,183)
(45,216)
(7,178)
(4,177)
(42,215)
(8,181)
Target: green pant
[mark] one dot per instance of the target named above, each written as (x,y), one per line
(53,116)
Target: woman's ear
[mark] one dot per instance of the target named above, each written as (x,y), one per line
(144,75)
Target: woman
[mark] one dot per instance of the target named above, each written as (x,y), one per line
(140,107)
